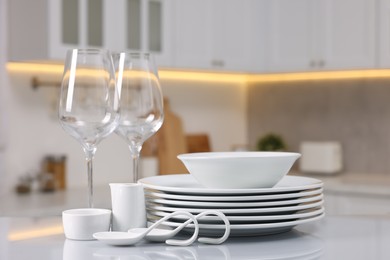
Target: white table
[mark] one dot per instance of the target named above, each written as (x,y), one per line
(334,237)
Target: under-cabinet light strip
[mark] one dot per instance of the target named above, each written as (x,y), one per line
(321,75)
(202,76)
(206,76)
(40,68)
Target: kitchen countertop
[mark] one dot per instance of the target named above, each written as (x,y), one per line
(356,226)
(353,183)
(38,203)
(333,237)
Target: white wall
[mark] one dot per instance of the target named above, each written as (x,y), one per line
(3,84)
(216,109)
(34,131)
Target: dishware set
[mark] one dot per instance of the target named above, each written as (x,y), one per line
(155,234)
(102,93)
(80,224)
(126,223)
(141,101)
(257,211)
(225,194)
(239,170)
(89,101)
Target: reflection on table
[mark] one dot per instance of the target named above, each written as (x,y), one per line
(351,237)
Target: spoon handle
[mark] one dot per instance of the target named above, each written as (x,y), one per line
(161,220)
(187,242)
(215,241)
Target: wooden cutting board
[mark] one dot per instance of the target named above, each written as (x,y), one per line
(198,143)
(169,142)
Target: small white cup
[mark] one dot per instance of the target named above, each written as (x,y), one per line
(128,206)
(80,224)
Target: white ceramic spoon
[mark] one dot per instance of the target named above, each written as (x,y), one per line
(131,238)
(161,235)
(215,241)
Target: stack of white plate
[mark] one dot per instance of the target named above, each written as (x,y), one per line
(294,200)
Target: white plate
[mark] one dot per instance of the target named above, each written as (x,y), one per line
(240,211)
(232,219)
(234,198)
(186,184)
(247,229)
(204,204)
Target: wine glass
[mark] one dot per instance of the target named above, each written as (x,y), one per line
(89,101)
(141,101)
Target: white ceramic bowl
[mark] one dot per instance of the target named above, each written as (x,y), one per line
(239,170)
(80,224)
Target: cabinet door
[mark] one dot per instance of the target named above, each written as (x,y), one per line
(114,27)
(75,24)
(64,27)
(27,33)
(232,37)
(193,33)
(347,39)
(384,34)
(160,31)
(290,35)
(140,25)
(255,43)
(218,34)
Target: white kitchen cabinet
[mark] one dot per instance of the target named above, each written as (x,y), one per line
(290,43)
(75,24)
(320,35)
(384,34)
(160,30)
(140,25)
(349,31)
(59,25)
(27,33)
(45,29)
(218,35)
(193,34)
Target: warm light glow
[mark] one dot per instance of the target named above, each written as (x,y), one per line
(135,74)
(207,76)
(202,76)
(35,233)
(41,68)
(321,75)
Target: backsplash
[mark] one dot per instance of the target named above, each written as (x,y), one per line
(33,132)
(355,113)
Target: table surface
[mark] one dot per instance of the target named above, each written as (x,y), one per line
(352,236)
(333,237)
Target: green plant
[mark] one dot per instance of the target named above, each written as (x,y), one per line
(271,142)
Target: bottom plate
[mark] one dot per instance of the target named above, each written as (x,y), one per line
(247,229)
(211,219)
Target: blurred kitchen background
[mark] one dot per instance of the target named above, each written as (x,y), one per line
(315,74)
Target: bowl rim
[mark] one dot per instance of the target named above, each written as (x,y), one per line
(86,212)
(230,155)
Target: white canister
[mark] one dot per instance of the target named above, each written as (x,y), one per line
(321,157)
(128,206)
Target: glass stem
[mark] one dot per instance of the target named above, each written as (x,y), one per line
(90,183)
(89,159)
(135,167)
(135,153)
